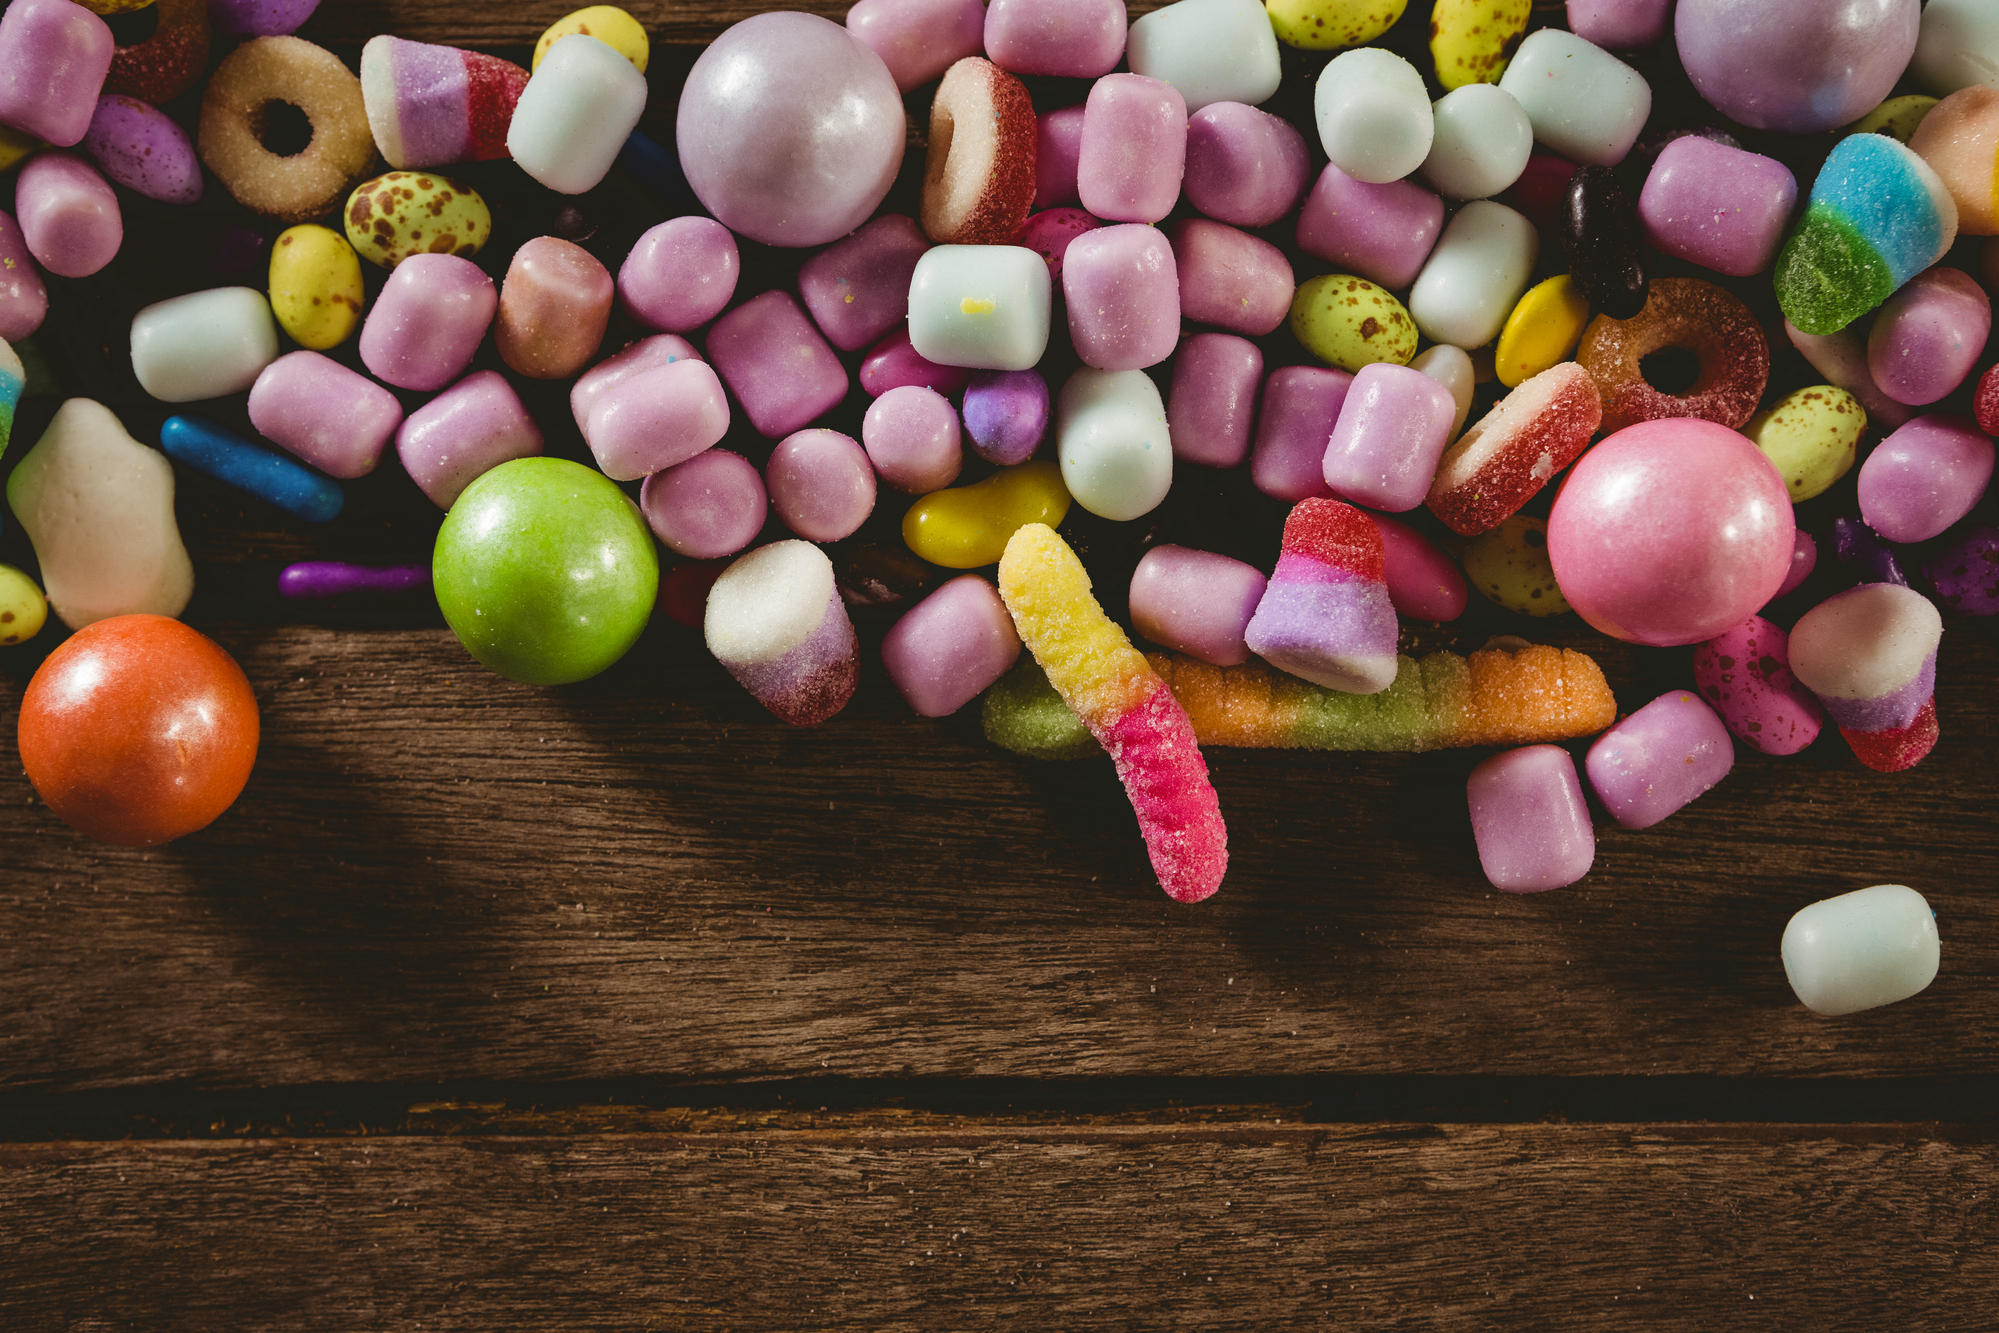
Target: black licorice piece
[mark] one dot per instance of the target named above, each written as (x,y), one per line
(1599,238)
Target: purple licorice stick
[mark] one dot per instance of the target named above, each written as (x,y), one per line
(325,580)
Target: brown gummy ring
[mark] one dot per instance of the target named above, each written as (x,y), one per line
(307,184)
(166,64)
(1697,317)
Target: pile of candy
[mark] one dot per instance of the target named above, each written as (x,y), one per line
(1502,268)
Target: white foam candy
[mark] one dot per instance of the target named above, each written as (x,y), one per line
(1373,115)
(768,603)
(1583,102)
(1482,142)
(982,306)
(1111,438)
(576,112)
(1475,274)
(1209,50)
(1864,643)
(203,345)
(1862,949)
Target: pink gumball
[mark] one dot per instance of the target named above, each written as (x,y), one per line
(1670,532)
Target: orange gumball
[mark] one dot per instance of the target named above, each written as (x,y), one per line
(138,730)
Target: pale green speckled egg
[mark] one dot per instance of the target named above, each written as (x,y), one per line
(409,213)
(1510,566)
(1349,322)
(1811,435)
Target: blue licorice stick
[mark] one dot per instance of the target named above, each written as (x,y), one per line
(272,477)
(323,580)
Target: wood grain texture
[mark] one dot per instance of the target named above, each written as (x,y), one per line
(1249,1226)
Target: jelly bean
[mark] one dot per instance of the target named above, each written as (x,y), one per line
(1210,50)
(1804,559)
(1325,25)
(408,213)
(950,646)
(1542,332)
(1800,67)
(822,484)
(1659,760)
(545,571)
(1079,39)
(1481,142)
(203,345)
(680,275)
(1451,367)
(428,321)
(1811,436)
(1058,147)
(56,55)
(333,418)
(1423,582)
(1472,40)
(260,18)
(1122,288)
(913,438)
(776,623)
(1126,706)
(979,179)
(1230,278)
(1113,443)
(816,110)
(1878,216)
(1244,166)
(316,290)
(1842,358)
(1863,552)
(1956,47)
(141,148)
(1373,115)
(1861,950)
(857,289)
(24,298)
(1381,232)
(555,304)
(776,364)
(573,115)
(1300,405)
(1133,153)
(918,39)
(1722,333)
(1475,275)
(1006,415)
(23,609)
(1928,336)
(1050,233)
(1349,322)
(1897,117)
(985,307)
(1960,141)
(1213,399)
(608,24)
(1745,674)
(1619,25)
(99,508)
(1716,206)
(209,448)
(1717,523)
(1925,477)
(1529,819)
(1600,241)
(68,215)
(430,106)
(894,361)
(654,417)
(1392,428)
(1583,102)
(1965,573)
(1195,602)
(709,506)
(330,580)
(1326,615)
(1870,655)
(969,527)
(1510,566)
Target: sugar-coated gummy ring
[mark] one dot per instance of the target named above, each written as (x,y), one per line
(1697,317)
(169,62)
(311,78)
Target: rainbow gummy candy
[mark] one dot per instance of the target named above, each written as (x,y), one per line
(431,106)
(1498,697)
(1126,707)
(1326,614)
(1878,216)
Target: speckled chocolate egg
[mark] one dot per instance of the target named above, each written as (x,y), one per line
(1811,435)
(1349,322)
(23,609)
(409,213)
(141,148)
(1509,565)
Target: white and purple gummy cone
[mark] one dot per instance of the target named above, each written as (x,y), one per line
(1326,615)
(776,621)
(1870,655)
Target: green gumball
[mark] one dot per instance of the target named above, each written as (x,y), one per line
(545,570)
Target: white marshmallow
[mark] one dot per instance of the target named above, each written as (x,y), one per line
(1111,439)
(1481,144)
(1373,114)
(1209,50)
(983,306)
(203,345)
(1583,102)
(1861,950)
(575,114)
(1477,271)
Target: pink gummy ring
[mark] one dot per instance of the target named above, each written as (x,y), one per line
(166,64)
(1697,317)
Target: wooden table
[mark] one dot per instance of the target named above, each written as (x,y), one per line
(625,1006)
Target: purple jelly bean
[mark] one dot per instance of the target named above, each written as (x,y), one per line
(1619,25)
(1213,400)
(892,363)
(1057,146)
(918,39)
(428,321)
(1658,760)
(1530,821)
(1123,293)
(1925,477)
(1717,206)
(1244,166)
(1293,424)
(709,506)
(1856,545)
(1380,232)
(1804,559)
(1965,573)
(776,364)
(1392,429)
(680,275)
(1745,675)
(1134,149)
(141,148)
(260,18)
(24,297)
(913,438)
(1078,39)
(1196,602)
(1927,337)
(950,646)
(334,418)
(1006,415)
(325,580)
(821,484)
(857,289)
(463,433)
(55,56)
(1230,278)
(68,214)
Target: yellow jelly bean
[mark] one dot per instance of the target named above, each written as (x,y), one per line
(1811,435)
(315,286)
(1510,566)
(22,606)
(15,146)
(1898,116)
(409,213)
(1471,40)
(1349,322)
(1541,332)
(608,24)
(969,526)
(1321,25)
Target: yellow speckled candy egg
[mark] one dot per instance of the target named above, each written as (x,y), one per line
(1349,322)
(1510,566)
(22,606)
(409,213)
(1321,25)
(315,286)
(1898,117)
(608,24)
(1811,435)
(1471,40)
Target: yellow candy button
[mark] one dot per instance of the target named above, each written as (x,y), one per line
(1471,40)
(969,526)
(22,606)
(608,24)
(1542,331)
(315,286)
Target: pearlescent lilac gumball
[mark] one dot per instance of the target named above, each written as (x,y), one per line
(790,131)
(1799,66)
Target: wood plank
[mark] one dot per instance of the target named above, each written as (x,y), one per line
(435,874)
(1247,1226)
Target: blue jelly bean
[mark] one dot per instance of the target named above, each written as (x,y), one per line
(657,169)
(272,477)
(1861,549)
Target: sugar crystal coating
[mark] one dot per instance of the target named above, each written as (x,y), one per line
(1498,464)
(1687,313)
